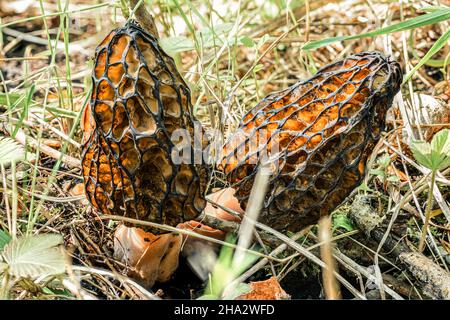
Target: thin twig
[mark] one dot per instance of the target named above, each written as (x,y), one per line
(25,140)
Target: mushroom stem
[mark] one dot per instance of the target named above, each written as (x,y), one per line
(144,17)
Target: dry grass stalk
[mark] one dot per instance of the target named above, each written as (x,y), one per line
(331,286)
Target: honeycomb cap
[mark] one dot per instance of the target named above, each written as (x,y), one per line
(138,101)
(316,136)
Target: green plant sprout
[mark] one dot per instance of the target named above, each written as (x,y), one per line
(381,170)
(29,256)
(435,156)
(223,274)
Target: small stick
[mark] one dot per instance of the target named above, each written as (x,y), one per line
(55,154)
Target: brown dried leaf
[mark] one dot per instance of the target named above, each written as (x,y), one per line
(150,257)
(269,289)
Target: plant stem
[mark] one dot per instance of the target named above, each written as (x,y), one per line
(125,10)
(427,213)
(4,286)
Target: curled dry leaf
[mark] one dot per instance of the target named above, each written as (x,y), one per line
(393,170)
(225,197)
(269,289)
(55,144)
(77,190)
(202,229)
(151,258)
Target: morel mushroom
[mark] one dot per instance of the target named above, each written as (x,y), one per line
(317,136)
(138,100)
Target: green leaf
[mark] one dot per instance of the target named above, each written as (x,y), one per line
(377,172)
(4,239)
(209,38)
(173,45)
(422,153)
(32,256)
(342,221)
(24,113)
(441,142)
(223,272)
(384,161)
(13,98)
(258,68)
(427,19)
(440,149)
(248,42)
(364,187)
(434,156)
(10,151)
(216,36)
(239,289)
(393,179)
(263,40)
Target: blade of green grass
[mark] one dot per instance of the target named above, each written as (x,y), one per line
(433,50)
(435,63)
(26,106)
(430,18)
(10,99)
(185,18)
(5,238)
